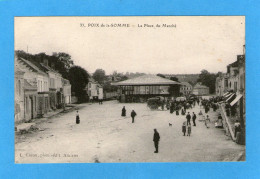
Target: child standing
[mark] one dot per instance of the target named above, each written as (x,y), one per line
(184,128)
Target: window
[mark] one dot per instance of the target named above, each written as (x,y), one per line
(19,87)
(235,86)
(35,107)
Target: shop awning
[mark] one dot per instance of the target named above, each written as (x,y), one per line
(236,100)
(225,94)
(230,97)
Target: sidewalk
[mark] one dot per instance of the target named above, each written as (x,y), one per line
(26,126)
(227,121)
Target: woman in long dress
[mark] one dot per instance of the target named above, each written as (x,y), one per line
(123,111)
(207,120)
(77,118)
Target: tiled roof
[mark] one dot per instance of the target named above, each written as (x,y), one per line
(32,66)
(47,68)
(186,83)
(147,80)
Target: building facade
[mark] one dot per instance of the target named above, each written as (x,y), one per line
(35,77)
(186,88)
(221,84)
(232,86)
(94,90)
(200,90)
(56,86)
(19,95)
(66,91)
(38,89)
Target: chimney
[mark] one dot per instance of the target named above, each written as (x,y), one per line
(45,62)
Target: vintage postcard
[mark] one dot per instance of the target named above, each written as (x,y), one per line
(129,89)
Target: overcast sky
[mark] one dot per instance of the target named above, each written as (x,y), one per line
(195,43)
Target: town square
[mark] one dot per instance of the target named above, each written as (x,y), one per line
(117,100)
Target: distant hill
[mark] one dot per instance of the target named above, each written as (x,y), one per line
(190,78)
(133,75)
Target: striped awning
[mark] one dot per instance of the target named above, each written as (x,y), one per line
(232,94)
(225,94)
(236,100)
(228,95)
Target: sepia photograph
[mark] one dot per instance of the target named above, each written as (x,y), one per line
(128,89)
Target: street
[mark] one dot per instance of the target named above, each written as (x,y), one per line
(104,136)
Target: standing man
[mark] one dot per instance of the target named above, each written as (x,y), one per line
(133,114)
(237,127)
(188,117)
(194,119)
(156,139)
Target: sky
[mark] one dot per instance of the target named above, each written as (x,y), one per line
(188,45)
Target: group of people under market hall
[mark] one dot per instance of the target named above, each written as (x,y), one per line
(181,105)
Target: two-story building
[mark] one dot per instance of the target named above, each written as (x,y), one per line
(200,90)
(34,80)
(185,88)
(94,90)
(221,85)
(55,85)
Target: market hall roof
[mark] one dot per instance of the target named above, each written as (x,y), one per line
(185,83)
(147,80)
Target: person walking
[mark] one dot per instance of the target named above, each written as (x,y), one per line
(189,130)
(194,119)
(91,99)
(133,114)
(123,111)
(77,118)
(237,127)
(188,117)
(182,112)
(177,110)
(207,120)
(184,128)
(156,139)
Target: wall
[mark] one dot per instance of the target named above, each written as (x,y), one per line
(100,93)
(67,93)
(19,98)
